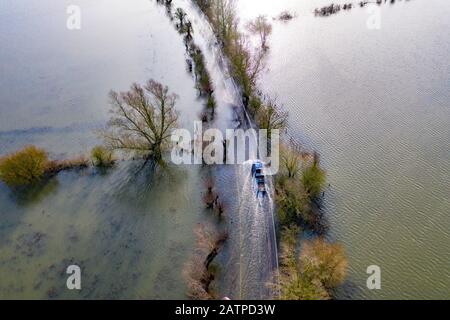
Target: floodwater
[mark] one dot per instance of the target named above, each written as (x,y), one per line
(376,105)
(129,232)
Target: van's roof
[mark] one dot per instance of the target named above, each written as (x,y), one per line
(258,164)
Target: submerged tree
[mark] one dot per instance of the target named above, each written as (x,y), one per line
(271,117)
(142,120)
(261,27)
(188,30)
(314,178)
(290,158)
(223,17)
(180,15)
(324,262)
(321,267)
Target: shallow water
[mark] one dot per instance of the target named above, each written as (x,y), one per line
(376,105)
(130,232)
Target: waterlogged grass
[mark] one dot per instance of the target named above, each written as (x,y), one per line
(102,157)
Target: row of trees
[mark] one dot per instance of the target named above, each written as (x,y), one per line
(322,265)
(246,62)
(200,270)
(196,60)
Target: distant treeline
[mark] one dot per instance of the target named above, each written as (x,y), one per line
(335,8)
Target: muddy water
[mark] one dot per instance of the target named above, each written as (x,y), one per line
(129,231)
(375,104)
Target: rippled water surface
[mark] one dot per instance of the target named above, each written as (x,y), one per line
(130,232)
(376,105)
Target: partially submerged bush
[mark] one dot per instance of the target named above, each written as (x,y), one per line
(325,262)
(271,116)
(102,157)
(321,267)
(198,272)
(296,194)
(293,202)
(23,167)
(314,178)
(286,16)
(254,105)
(291,159)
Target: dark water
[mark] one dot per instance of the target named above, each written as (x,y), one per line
(376,105)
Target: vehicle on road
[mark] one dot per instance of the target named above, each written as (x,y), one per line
(259,179)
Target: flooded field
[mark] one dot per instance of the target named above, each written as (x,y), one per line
(130,232)
(374,103)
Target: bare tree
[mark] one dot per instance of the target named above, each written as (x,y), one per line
(180,15)
(142,120)
(270,116)
(291,157)
(246,66)
(224,19)
(261,27)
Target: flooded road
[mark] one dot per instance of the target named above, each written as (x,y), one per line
(249,260)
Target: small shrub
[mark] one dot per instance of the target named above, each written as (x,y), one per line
(211,103)
(204,116)
(314,178)
(293,202)
(324,262)
(102,157)
(23,167)
(254,105)
(285,16)
(321,267)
